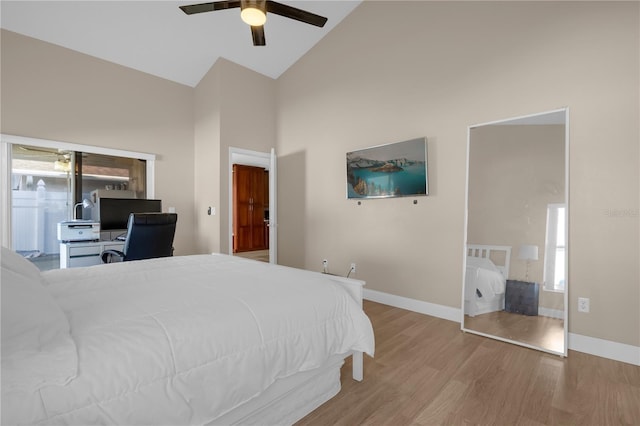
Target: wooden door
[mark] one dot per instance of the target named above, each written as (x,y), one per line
(257,209)
(248,211)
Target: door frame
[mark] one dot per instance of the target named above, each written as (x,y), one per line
(267,160)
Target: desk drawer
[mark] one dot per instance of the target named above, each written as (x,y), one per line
(84,251)
(76,262)
(83,255)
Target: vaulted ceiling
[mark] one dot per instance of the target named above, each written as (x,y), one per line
(156,37)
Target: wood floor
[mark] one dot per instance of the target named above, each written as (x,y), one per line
(261,255)
(536,330)
(428,372)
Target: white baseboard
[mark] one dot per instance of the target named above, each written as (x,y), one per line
(603,348)
(439,311)
(551,313)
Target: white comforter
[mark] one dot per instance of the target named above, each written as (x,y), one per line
(184,340)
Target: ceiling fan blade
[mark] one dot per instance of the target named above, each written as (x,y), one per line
(295,13)
(258,36)
(209,7)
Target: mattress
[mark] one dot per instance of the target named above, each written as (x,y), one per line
(187,340)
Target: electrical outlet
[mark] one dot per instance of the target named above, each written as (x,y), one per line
(353,268)
(583,304)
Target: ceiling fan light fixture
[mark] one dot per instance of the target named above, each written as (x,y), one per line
(254,13)
(253,16)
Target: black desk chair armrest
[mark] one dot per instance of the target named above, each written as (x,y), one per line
(107,255)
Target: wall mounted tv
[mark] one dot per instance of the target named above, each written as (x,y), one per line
(392,170)
(114,212)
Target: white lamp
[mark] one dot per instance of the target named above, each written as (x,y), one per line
(528,252)
(253,12)
(86,203)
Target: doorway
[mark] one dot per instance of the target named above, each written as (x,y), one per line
(252,206)
(250,209)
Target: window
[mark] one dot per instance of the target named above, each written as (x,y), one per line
(40,196)
(47,179)
(118,175)
(555,259)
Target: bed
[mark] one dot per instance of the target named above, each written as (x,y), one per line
(487,269)
(205,339)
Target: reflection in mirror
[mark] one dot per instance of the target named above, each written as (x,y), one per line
(515,273)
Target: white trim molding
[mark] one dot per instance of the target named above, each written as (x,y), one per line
(590,345)
(551,313)
(268,161)
(72,146)
(5,193)
(439,311)
(605,348)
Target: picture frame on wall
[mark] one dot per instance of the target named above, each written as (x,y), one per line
(387,171)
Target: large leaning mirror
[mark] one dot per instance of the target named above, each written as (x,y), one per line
(516,253)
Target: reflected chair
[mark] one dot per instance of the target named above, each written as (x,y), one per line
(149,235)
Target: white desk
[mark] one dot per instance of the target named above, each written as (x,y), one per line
(85,253)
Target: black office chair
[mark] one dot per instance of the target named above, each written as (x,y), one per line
(149,235)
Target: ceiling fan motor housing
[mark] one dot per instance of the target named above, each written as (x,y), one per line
(255,4)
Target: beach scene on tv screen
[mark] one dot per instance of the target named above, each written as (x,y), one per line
(393,170)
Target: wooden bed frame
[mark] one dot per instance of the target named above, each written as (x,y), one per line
(292,398)
(473,307)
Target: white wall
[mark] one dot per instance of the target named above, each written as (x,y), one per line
(235,107)
(53,93)
(393,71)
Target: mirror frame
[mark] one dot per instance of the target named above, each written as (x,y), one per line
(530,118)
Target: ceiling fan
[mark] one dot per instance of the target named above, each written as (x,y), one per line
(254,13)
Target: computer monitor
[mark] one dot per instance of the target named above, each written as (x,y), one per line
(114,212)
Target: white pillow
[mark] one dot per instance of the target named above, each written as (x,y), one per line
(37,348)
(13,261)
